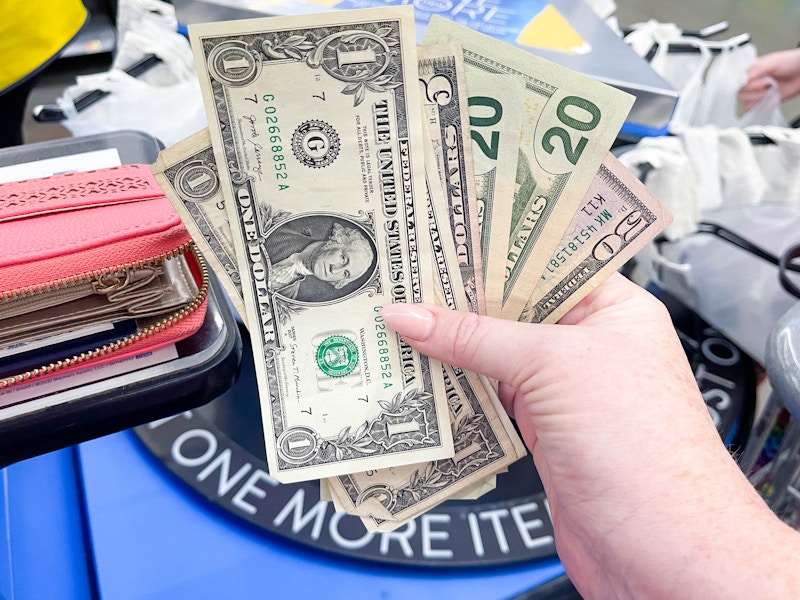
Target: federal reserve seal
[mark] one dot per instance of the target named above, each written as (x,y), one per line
(315,144)
(337,356)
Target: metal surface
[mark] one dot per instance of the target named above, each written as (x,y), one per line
(783,360)
(772,455)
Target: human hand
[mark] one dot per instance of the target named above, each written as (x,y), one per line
(634,470)
(781,68)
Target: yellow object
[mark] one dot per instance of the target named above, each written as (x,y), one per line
(33,32)
(551,31)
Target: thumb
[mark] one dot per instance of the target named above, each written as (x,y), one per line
(475,343)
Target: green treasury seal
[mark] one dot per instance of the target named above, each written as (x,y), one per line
(337,356)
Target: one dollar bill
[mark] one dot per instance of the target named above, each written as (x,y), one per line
(316,127)
(188,174)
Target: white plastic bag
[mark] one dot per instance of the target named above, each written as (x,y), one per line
(733,289)
(684,71)
(670,176)
(707,79)
(131,13)
(712,97)
(709,168)
(165,101)
(602,8)
(717,176)
(717,102)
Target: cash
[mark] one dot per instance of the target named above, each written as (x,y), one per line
(317,122)
(495,119)
(569,123)
(187,172)
(345,169)
(617,217)
(485,442)
(444,105)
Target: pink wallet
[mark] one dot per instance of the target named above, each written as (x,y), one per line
(100,251)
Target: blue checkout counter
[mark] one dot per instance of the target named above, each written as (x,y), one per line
(102,520)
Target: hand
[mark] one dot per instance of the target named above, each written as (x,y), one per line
(781,68)
(641,488)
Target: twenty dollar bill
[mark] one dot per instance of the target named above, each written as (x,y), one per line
(568,125)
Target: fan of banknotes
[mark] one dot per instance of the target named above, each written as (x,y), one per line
(346,168)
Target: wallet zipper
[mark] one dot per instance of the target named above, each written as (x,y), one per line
(122,343)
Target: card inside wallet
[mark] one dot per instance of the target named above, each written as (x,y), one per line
(144,294)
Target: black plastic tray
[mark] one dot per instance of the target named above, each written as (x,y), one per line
(208,362)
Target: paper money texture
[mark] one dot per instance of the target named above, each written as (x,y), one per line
(317,122)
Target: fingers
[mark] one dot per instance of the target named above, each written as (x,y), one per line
(493,347)
(502,349)
(512,352)
(758,72)
(751,92)
(750,99)
(757,86)
(766,65)
(614,291)
(599,295)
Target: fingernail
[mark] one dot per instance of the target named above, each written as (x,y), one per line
(409,320)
